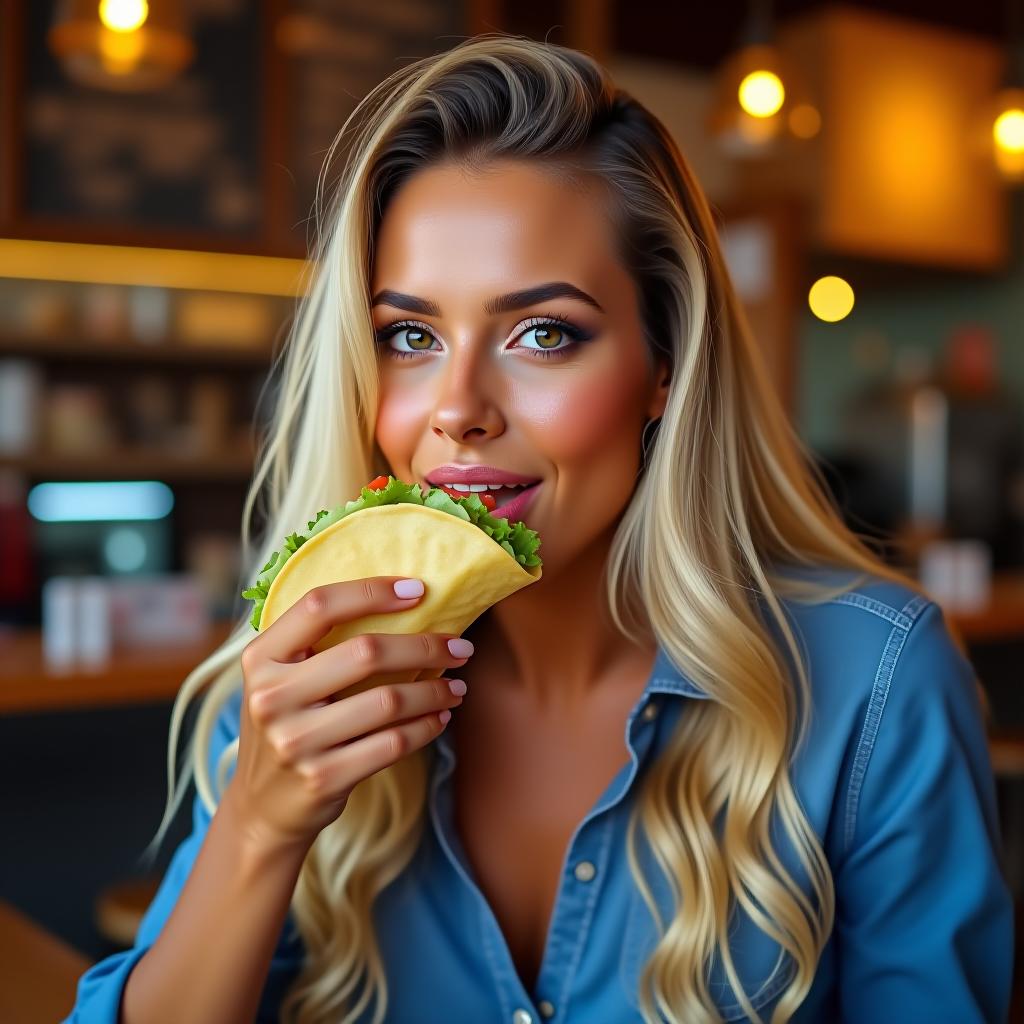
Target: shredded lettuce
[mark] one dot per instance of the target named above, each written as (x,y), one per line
(515,538)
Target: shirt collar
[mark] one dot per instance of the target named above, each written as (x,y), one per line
(667,678)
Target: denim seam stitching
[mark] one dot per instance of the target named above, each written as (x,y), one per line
(876,705)
(875,607)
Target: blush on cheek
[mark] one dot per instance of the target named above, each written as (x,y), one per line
(399,427)
(590,420)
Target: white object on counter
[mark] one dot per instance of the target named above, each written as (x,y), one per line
(60,622)
(95,626)
(957,573)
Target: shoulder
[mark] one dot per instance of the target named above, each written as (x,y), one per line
(892,693)
(856,643)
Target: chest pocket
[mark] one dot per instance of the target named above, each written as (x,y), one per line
(754,955)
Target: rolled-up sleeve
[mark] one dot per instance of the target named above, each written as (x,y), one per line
(924,917)
(100,989)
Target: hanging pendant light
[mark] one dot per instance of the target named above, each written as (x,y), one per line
(1007,125)
(759,98)
(121,45)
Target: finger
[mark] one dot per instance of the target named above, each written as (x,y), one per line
(350,662)
(343,767)
(313,616)
(312,731)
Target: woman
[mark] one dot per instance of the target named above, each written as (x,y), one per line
(519,271)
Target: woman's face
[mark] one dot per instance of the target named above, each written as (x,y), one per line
(556,389)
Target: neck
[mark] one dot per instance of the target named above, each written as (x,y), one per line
(553,642)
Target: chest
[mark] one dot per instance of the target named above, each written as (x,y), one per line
(518,798)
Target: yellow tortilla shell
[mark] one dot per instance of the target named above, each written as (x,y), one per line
(465,572)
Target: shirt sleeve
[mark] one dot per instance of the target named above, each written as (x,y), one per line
(924,917)
(98,997)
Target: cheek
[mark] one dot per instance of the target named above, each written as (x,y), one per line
(590,419)
(400,418)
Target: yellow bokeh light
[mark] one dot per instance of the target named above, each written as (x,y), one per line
(761,93)
(804,121)
(830,299)
(123,15)
(1008,131)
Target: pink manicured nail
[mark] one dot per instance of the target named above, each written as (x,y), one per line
(457,686)
(409,588)
(460,648)
(444,716)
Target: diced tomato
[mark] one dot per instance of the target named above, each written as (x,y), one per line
(489,501)
(377,484)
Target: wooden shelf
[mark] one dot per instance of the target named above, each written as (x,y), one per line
(125,350)
(135,463)
(130,677)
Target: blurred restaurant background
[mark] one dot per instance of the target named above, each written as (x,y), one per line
(158,173)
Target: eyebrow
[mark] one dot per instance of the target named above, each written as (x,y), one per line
(498,304)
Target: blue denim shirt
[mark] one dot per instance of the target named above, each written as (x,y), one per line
(895,780)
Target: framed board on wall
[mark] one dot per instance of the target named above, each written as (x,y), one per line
(227,157)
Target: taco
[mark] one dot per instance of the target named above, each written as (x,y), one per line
(468,560)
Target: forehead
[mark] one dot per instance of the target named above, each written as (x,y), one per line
(449,226)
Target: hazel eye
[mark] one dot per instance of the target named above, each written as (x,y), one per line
(547,336)
(417,338)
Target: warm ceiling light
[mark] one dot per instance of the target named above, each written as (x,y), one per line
(756,92)
(830,299)
(761,93)
(123,15)
(121,45)
(1008,131)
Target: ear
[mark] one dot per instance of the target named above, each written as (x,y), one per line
(659,398)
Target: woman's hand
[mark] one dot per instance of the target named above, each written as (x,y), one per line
(303,747)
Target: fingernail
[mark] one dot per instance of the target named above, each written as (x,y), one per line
(460,648)
(457,686)
(444,716)
(409,588)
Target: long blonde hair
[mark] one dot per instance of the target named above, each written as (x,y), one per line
(727,499)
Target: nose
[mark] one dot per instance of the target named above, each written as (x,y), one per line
(467,399)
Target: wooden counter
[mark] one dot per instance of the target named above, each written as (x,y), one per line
(130,677)
(38,971)
(156,674)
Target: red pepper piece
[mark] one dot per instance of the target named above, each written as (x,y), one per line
(378,483)
(488,500)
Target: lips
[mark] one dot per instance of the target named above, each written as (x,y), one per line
(515,509)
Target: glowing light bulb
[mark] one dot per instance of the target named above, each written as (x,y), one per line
(761,93)
(1008,131)
(123,15)
(830,299)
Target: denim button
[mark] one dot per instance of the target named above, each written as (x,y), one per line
(585,871)
(522,1017)
(546,1008)
(649,712)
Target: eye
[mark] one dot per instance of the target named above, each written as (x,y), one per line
(551,335)
(418,338)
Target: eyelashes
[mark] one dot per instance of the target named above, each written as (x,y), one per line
(577,334)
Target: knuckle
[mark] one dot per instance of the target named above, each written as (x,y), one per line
(390,701)
(250,660)
(441,692)
(261,706)
(315,777)
(396,744)
(367,649)
(285,745)
(315,602)
(369,591)
(427,643)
